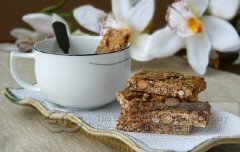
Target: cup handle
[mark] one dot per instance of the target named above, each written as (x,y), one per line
(13,62)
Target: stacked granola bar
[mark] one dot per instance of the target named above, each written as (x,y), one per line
(163,102)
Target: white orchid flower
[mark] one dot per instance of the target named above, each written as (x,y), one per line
(226,9)
(132,14)
(188,28)
(42,28)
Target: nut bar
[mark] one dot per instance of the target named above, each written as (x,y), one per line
(170,117)
(114,40)
(170,84)
(135,101)
(139,106)
(144,127)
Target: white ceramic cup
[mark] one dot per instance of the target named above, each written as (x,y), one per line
(80,79)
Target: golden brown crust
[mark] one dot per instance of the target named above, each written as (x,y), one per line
(114,40)
(170,84)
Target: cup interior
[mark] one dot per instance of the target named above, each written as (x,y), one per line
(79,45)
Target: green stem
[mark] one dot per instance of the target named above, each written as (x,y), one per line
(66,14)
(54,8)
(71,27)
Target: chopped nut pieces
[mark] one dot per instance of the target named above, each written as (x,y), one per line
(170,84)
(114,40)
(152,128)
(142,84)
(184,113)
(171,102)
(163,102)
(135,101)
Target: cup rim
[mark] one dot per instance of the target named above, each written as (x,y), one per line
(91,54)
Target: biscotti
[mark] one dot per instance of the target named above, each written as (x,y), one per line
(170,84)
(114,40)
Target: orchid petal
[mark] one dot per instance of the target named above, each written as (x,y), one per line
(40,22)
(198,6)
(23,33)
(198,50)
(141,14)
(177,16)
(120,8)
(164,43)
(8,47)
(56,17)
(222,34)
(225,9)
(110,22)
(138,51)
(89,17)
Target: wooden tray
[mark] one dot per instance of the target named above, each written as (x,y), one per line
(110,138)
